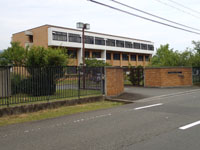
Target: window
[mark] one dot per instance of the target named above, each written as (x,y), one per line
(136,45)
(74,38)
(124,56)
(150,47)
(59,36)
(96,54)
(119,43)
(99,41)
(87,54)
(108,56)
(72,53)
(89,39)
(30,37)
(146,58)
(128,44)
(116,56)
(133,57)
(110,42)
(144,46)
(140,58)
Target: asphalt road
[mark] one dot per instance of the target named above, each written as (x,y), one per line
(170,122)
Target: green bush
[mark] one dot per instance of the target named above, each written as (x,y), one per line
(136,75)
(15,83)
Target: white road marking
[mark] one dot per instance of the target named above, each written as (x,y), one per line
(190,125)
(138,108)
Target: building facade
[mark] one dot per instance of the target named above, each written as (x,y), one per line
(115,50)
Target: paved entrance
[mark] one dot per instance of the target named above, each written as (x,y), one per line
(138,93)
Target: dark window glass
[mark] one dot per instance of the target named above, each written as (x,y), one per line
(116,56)
(72,53)
(74,38)
(144,46)
(108,56)
(30,38)
(110,42)
(59,36)
(136,45)
(150,47)
(128,45)
(146,58)
(119,43)
(124,56)
(99,41)
(87,54)
(133,57)
(96,54)
(89,39)
(140,58)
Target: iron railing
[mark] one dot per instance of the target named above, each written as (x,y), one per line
(22,84)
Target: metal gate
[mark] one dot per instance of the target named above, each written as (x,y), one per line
(196,75)
(136,75)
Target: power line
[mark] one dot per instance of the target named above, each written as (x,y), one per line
(177,9)
(184,6)
(154,15)
(132,14)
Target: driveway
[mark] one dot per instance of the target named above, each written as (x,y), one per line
(137,93)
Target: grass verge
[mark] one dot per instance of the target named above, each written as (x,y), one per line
(52,113)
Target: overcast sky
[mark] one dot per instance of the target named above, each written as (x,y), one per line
(19,15)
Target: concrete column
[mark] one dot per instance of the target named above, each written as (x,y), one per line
(120,59)
(136,60)
(112,58)
(103,55)
(79,53)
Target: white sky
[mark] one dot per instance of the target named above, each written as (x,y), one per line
(19,15)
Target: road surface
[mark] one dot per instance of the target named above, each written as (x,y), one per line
(169,122)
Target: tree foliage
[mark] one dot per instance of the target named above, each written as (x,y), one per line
(95,63)
(13,55)
(34,56)
(41,57)
(168,57)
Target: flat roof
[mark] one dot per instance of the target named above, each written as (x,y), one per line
(86,32)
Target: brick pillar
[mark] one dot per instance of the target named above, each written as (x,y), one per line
(114,81)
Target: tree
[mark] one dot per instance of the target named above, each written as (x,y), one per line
(196,46)
(14,55)
(165,57)
(95,63)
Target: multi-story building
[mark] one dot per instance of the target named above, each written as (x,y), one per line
(116,50)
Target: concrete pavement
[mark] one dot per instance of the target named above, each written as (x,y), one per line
(148,125)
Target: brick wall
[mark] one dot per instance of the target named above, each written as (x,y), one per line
(40,37)
(168,77)
(114,81)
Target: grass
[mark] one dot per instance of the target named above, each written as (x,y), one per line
(52,113)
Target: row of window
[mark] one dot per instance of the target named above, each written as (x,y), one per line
(62,36)
(116,56)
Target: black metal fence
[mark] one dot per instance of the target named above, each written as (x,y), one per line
(196,75)
(21,84)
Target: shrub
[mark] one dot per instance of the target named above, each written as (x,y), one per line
(136,75)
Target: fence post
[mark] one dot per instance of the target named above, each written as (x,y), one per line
(79,82)
(7,76)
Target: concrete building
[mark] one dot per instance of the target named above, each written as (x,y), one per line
(116,50)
